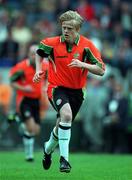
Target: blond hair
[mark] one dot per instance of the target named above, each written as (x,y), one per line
(72,15)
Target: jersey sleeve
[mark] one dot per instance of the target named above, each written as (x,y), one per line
(44,49)
(16,73)
(93,56)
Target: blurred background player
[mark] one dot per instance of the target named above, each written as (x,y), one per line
(28,99)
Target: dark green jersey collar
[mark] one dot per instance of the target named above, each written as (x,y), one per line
(76,40)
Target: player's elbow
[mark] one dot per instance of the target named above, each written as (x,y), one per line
(102,71)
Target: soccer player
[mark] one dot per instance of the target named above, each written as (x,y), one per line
(71,56)
(28,95)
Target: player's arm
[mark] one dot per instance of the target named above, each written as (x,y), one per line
(94,62)
(18,76)
(15,77)
(17,86)
(91,61)
(38,74)
(93,68)
(42,52)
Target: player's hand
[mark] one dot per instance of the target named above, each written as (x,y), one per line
(76,63)
(38,76)
(28,89)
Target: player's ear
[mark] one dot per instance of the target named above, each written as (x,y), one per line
(78,29)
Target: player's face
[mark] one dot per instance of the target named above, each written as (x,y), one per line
(31,54)
(69,31)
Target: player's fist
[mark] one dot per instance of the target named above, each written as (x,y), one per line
(28,89)
(38,76)
(76,63)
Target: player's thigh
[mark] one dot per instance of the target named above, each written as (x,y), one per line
(76,101)
(32,126)
(60,98)
(30,109)
(66,112)
(35,109)
(25,110)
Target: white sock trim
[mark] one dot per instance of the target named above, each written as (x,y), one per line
(65,124)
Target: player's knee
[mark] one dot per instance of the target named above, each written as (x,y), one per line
(30,129)
(37,129)
(33,129)
(67,117)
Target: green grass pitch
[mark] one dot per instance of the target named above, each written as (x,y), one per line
(84,167)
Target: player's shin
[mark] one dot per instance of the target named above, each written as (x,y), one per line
(51,144)
(64,135)
(28,142)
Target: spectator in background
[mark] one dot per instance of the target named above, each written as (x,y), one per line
(48,9)
(5,97)
(63,5)
(115,10)
(86,10)
(95,33)
(105,18)
(126,17)
(122,56)
(115,119)
(129,121)
(46,27)
(9,51)
(21,33)
(92,113)
(28,96)
(4,20)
